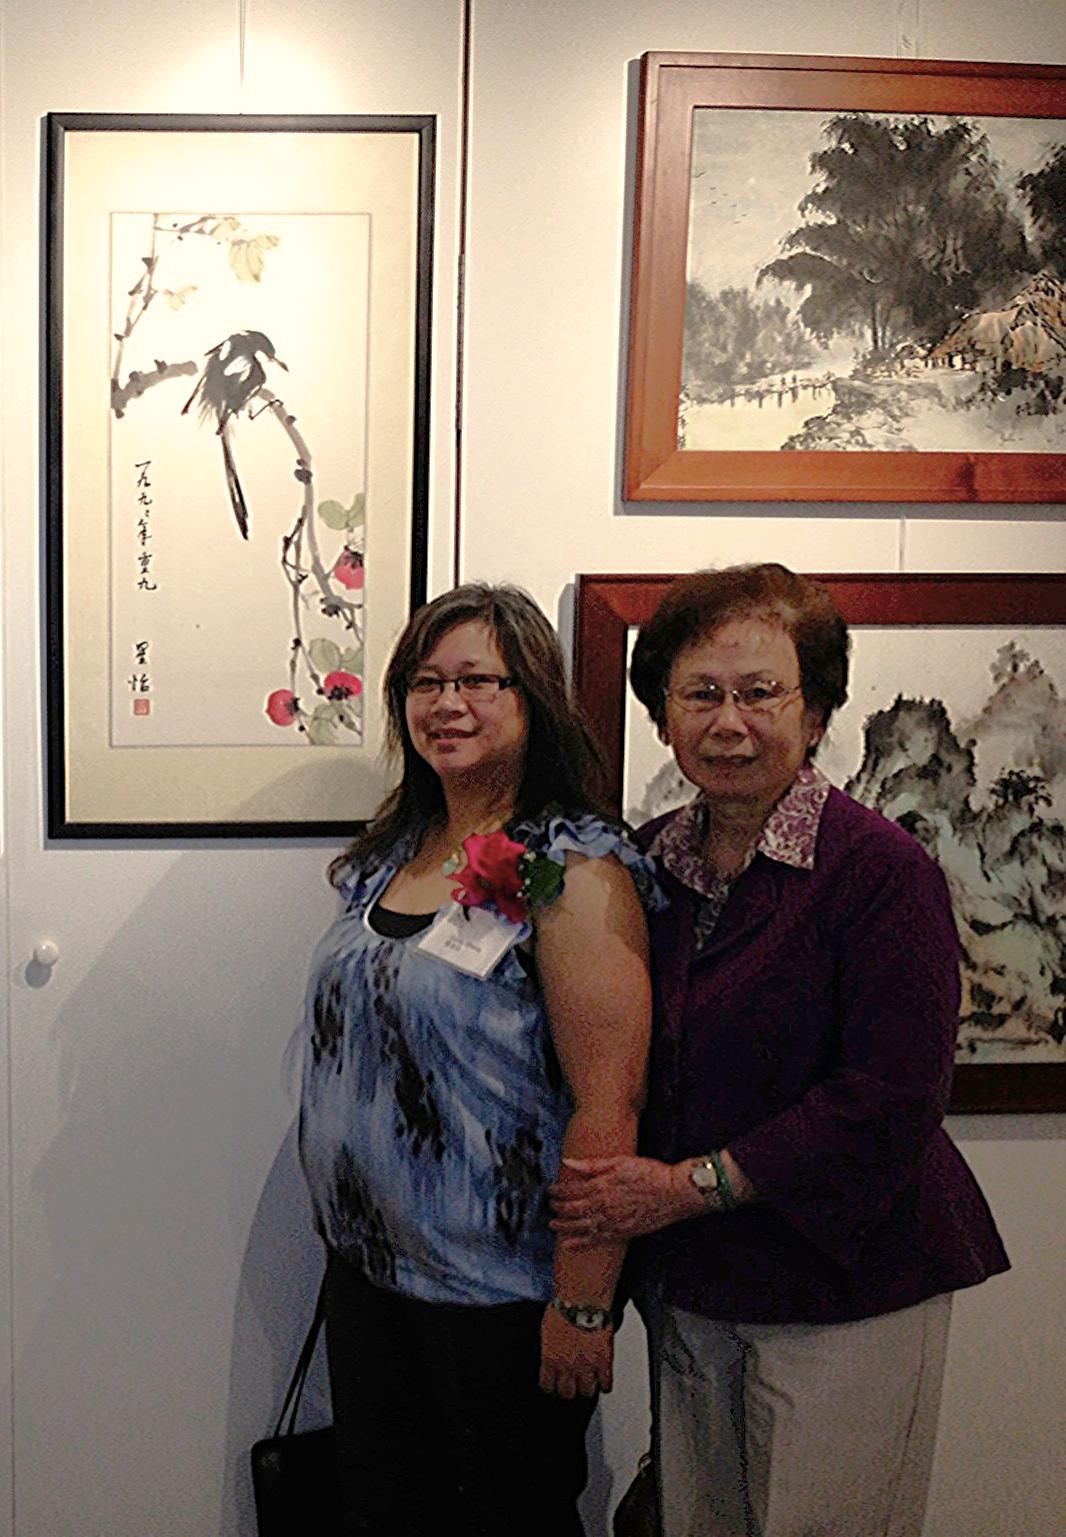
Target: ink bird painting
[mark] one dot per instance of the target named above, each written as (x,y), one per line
(963,743)
(238,515)
(859,281)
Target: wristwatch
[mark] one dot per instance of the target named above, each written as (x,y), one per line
(583,1315)
(705,1174)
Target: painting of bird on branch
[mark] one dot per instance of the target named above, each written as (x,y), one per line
(212,294)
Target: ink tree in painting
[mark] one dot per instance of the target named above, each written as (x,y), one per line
(735,342)
(906,227)
(232,385)
(1044,191)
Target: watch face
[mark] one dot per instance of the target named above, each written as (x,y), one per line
(584,1315)
(704,1176)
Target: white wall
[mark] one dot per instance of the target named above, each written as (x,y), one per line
(161,1256)
(164,1261)
(553,125)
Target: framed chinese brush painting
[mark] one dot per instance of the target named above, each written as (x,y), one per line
(955,727)
(237,339)
(849,281)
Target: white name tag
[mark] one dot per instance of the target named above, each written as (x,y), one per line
(471,939)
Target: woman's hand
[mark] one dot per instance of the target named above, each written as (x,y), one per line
(572,1360)
(620,1197)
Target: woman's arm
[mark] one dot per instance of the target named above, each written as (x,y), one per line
(833,1162)
(592,960)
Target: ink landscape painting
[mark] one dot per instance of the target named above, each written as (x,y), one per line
(971,760)
(859,281)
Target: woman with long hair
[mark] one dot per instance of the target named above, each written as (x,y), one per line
(479,1009)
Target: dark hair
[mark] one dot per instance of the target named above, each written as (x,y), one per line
(563,766)
(696,605)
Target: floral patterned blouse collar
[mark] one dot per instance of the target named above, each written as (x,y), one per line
(789,836)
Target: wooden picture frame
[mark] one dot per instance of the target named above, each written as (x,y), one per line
(236,330)
(912,610)
(752,101)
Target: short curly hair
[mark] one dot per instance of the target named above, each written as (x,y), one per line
(694,606)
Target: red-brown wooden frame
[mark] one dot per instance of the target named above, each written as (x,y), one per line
(609,606)
(672,86)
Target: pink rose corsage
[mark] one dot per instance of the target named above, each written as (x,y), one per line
(505,875)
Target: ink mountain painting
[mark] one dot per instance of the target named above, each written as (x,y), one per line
(1003,848)
(974,768)
(858,281)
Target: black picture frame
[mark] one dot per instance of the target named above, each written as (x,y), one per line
(381,168)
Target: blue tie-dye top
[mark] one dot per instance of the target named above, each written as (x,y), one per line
(433,1107)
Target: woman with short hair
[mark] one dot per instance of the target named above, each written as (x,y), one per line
(808,1216)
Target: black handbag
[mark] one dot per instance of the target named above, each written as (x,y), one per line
(638,1511)
(294,1473)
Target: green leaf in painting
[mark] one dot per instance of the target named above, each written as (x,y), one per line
(324,655)
(351,661)
(320,732)
(333,515)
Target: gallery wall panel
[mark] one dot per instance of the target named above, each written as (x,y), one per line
(544,388)
(160,1232)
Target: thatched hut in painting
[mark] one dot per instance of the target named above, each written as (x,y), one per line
(1029,333)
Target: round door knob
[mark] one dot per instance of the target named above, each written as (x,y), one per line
(46,952)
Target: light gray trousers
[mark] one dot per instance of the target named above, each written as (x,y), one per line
(796,1430)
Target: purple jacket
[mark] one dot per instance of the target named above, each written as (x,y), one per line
(814,1037)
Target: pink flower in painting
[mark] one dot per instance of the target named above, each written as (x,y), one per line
(342,685)
(491,874)
(349,569)
(282,706)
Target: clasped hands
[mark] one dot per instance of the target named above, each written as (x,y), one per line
(614,1199)
(605,1201)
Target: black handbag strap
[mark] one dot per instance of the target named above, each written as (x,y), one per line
(303,1365)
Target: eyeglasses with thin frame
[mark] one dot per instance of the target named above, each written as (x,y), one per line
(472,685)
(701,697)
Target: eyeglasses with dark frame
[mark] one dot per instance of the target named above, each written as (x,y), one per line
(472,685)
(701,697)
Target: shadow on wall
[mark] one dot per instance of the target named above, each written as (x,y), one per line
(275,1302)
(168,1268)
(166,1263)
